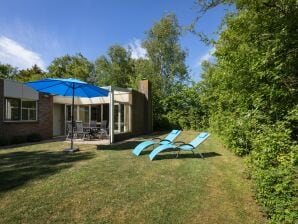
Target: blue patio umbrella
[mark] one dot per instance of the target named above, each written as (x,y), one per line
(68,87)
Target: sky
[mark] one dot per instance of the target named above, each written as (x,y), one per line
(36,32)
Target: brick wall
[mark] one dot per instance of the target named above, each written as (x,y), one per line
(43,126)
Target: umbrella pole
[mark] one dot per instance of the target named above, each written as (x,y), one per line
(72,149)
(72,118)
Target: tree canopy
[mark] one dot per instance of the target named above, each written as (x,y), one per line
(164,50)
(116,68)
(7,71)
(251,92)
(76,66)
(30,74)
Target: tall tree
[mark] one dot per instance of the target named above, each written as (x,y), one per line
(116,68)
(76,66)
(30,74)
(7,71)
(165,52)
(167,61)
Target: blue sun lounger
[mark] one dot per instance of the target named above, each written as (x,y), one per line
(167,140)
(183,147)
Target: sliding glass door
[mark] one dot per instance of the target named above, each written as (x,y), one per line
(121,118)
(81,113)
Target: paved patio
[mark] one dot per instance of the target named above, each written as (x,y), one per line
(90,142)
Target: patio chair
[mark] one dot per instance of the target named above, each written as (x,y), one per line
(68,130)
(154,141)
(93,124)
(80,130)
(95,131)
(103,128)
(183,147)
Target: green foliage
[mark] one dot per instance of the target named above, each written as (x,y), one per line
(273,162)
(7,71)
(116,68)
(165,52)
(251,94)
(67,66)
(18,139)
(30,74)
(167,69)
(164,66)
(183,110)
(34,137)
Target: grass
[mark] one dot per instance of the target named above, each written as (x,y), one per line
(107,184)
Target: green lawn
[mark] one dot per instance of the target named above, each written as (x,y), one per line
(107,184)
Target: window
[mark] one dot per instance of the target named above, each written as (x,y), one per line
(96,113)
(21,110)
(13,107)
(68,113)
(121,118)
(81,113)
(29,112)
(116,118)
(84,114)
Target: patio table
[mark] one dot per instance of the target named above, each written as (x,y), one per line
(93,131)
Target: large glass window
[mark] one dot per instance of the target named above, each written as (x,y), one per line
(84,114)
(126,117)
(121,118)
(21,110)
(13,108)
(68,113)
(116,118)
(96,113)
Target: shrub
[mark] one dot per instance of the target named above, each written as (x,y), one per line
(18,139)
(4,141)
(34,137)
(272,164)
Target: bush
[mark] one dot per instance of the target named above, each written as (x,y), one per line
(4,141)
(18,139)
(34,137)
(272,164)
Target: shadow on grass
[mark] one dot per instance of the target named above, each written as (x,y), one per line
(119,147)
(187,155)
(32,143)
(148,150)
(17,168)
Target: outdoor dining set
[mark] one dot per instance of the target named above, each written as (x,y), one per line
(87,131)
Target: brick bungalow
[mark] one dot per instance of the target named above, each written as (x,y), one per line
(24,111)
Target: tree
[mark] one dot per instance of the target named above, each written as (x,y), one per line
(166,60)
(7,71)
(30,74)
(67,66)
(251,92)
(116,68)
(164,50)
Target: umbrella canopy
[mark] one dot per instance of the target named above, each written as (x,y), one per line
(68,87)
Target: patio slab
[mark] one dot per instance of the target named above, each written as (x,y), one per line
(90,142)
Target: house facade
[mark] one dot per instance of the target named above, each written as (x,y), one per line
(24,111)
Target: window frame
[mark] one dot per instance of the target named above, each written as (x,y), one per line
(20,101)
